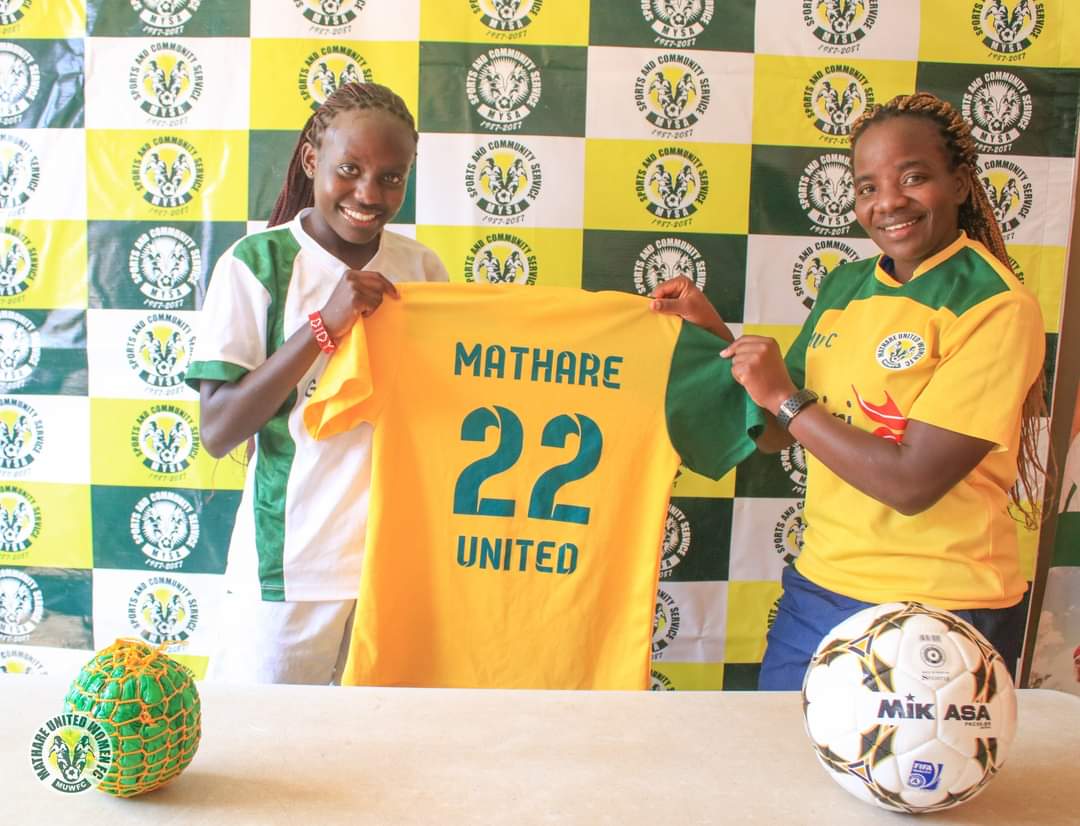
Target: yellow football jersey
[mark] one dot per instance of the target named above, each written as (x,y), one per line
(525,444)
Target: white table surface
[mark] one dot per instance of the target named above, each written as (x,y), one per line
(302,755)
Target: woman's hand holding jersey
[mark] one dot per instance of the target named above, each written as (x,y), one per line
(357,295)
(908,476)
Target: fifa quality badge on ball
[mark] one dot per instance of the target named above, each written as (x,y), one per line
(909,707)
(148,704)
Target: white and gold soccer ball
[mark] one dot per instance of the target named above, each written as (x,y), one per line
(909,707)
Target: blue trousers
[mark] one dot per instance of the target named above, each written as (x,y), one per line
(807,612)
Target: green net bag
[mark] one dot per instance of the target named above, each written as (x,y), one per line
(149,705)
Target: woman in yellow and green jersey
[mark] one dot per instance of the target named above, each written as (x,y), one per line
(915,387)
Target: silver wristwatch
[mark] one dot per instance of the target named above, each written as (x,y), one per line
(793,405)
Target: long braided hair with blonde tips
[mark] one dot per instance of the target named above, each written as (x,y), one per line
(976,218)
(298,192)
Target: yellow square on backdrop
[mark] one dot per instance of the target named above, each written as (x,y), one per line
(1008,33)
(50,524)
(291,78)
(46,261)
(45,19)
(520,255)
(169,175)
(688,676)
(749,606)
(688,483)
(144,443)
(546,22)
(667,187)
(1042,270)
(800,101)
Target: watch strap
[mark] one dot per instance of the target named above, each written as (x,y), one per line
(793,405)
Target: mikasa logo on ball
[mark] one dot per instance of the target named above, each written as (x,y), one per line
(899,351)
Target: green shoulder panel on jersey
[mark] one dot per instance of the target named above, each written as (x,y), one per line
(270,256)
(958,283)
(709,416)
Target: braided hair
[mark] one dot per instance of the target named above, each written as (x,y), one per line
(976,218)
(298,191)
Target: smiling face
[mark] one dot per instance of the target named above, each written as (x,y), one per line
(359,172)
(906,196)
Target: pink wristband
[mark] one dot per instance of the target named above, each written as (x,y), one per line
(322,335)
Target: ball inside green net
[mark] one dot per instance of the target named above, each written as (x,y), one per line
(149,705)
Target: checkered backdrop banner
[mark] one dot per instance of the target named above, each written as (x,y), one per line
(606,145)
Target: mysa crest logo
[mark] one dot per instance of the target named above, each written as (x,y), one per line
(159,350)
(22,434)
(665,623)
(677,23)
(1008,28)
(22,605)
(793,461)
(508,18)
(503,178)
(165,527)
(163,610)
(164,439)
(672,92)
(71,753)
(788,533)
(165,17)
(672,183)
(840,24)
(660,682)
(815,262)
(834,97)
(899,351)
(165,80)
(20,173)
(15,661)
(827,194)
(167,172)
(20,522)
(503,87)
(998,107)
(330,13)
(12,11)
(329,68)
(20,350)
(18,262)
(501,258)
(676,541)
(668,258)
(163,264)
(1010,191)
(20,81)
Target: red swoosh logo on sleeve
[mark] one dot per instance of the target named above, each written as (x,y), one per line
(888,414)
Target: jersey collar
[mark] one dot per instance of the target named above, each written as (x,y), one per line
(884,267)
(326,260)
